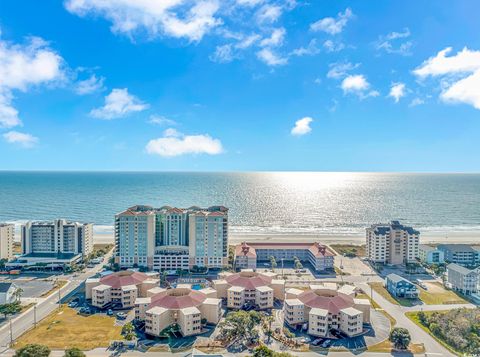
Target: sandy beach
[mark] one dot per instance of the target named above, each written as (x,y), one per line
(471,237)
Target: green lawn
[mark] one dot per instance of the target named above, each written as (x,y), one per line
(438,295)
(357,250)
(380,289)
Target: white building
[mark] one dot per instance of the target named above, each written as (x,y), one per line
(59,236)
(430,255)
(462,279)
(7,235)
(392,243)
(7,293)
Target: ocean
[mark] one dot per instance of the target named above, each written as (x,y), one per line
(260,203)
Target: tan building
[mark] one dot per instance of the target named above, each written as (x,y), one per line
(7,235)
(182,306)
(392,243)
(326,307)
(121,288)
(251,288)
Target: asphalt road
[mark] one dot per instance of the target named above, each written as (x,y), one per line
(45,307)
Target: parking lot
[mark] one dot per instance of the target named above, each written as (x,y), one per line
(32,287)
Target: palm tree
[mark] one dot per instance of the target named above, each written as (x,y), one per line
(273,263)
(17,294)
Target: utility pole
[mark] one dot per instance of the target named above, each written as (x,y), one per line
(282,267)
(35,315)
(11,333)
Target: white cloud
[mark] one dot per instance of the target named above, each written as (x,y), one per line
(118,104)
(174,143)
(332,25)
(331,46)
(460,74)
(397,91)
(247,41)
(24,66)
(90,85)
(171,18)
(161,120)
(249,2)
(302,126)
(271,58)
(276,39)
(223,54)
(358,84)
(416,101)
(340,69)
(22,139)
(269,13)
(310,50)
(393,43)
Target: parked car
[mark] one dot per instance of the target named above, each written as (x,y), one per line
(72,304)
(121,316)
(326,343)
(109,312)
(317,341)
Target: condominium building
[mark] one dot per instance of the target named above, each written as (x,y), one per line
(121,288)
(7,235)
(461,254)
(392,243)
(172,238)
(58,236)
(326,307)
(247,255)
(462,279)
(249,288)
(430,255)
(182,306)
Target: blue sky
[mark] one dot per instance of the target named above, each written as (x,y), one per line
(240,85)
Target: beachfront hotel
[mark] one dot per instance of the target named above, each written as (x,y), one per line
(326,307)
(7,234)
(170,238)
(121,288)
(249,288)
(182,306)
(392,243)
(247,255)
(54,243)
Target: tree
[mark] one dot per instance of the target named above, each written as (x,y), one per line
(2,263)
(269,320)
(298,264)
(400,337)
(264,351)
(422,317)
(10,309)
(240,326)
(74,352)
(17,294)
(33,350)
(273,262)
(128,331)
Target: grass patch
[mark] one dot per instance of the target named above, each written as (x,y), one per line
(377,307)
(64,328)
(386,347)
(57,285)
(438,295)
(380,289)
(349,249)
(102,246)
(339,271)
(413,315)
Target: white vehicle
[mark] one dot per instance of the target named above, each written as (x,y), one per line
(326,343)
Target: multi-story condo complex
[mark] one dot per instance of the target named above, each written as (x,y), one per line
(56,243)
(326,307)
(121,288)
(7,234)
(430,255)
(181,306)
(172,238)
(249,288)
(461,254)
(463,279)
(318,255)
(392,243)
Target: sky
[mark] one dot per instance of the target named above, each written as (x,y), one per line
(240,85)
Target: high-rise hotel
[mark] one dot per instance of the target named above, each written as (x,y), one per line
(172,238)
(7,233)
(392,243)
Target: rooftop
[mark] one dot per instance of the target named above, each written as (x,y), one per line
(326,299)
(4,287)
(249,249)
(248,280)
(384,228)
(397,278)
(457,248)
(179,298)
(350,311)
(459,268)
(124,278)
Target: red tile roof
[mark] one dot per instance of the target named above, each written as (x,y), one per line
(245,250)
(332,301)
(248,280)
(178,298)
(123,278)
